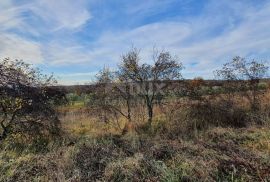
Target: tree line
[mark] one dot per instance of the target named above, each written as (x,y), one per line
(28,97)
(133,83)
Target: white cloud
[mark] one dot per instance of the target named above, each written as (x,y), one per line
(78,74)
(56,15)
(250,36)
(244,33)
(9,15)
(224,29)
(15,47)
(62,14)
(58,54)
(76,78)
(74,82)
(109,47)
(146,7)
(12,45)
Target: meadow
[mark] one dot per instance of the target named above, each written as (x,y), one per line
(174,149)
(186,130)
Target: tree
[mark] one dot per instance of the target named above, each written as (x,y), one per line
(243,76)
(111,93)
(102,98)
(151,79)
(27,100)
(124,88)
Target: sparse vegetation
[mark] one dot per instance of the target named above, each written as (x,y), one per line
(170,129)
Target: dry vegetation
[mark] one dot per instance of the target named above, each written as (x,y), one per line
(219,154)
(195,130)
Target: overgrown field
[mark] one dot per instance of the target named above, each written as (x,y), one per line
(219,154)
(91,150)
(183,144)
(141,123)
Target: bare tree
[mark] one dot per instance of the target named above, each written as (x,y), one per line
(243,76)
(26,100)
(111,93)
(102,98)
(124,88)
(151,79)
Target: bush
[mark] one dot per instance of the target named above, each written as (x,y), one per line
(140,168)
(27,101)
(92,160)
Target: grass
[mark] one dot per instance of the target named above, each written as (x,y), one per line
(92,150)
(220,154)
(81,124)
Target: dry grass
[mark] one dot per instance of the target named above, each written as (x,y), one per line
(220,154)
(81,123)
(175,149)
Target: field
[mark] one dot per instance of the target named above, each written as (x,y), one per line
(219,154)
(141,123)
(91,150)
(135,91)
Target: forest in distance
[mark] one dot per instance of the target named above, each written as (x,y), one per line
(140,122)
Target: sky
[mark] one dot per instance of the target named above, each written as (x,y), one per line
(75,39)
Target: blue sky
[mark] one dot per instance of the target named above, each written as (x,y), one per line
(75,39)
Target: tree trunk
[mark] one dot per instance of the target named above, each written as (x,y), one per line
(128,111)
(4,133)
(3,136)
(150,114)
(254,104)
(128,102)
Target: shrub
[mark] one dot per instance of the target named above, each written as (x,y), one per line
(92,160)
(27,101)
(136,168)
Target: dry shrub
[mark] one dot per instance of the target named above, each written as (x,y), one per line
(28,144)
(130,143)
(193,116)
(221,113)
(217,155)
(136,168)
(159,149)
(238,162)
(140,167)
(92,160)
(55,166)
(126,158)
(35,169)
(154,148)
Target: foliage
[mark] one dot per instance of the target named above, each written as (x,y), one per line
(27,100)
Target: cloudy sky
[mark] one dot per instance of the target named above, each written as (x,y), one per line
(74,39)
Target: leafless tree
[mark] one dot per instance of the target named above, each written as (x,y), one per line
(109,95)
(102,97)
(124,88)
(151,79)
(243,76)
